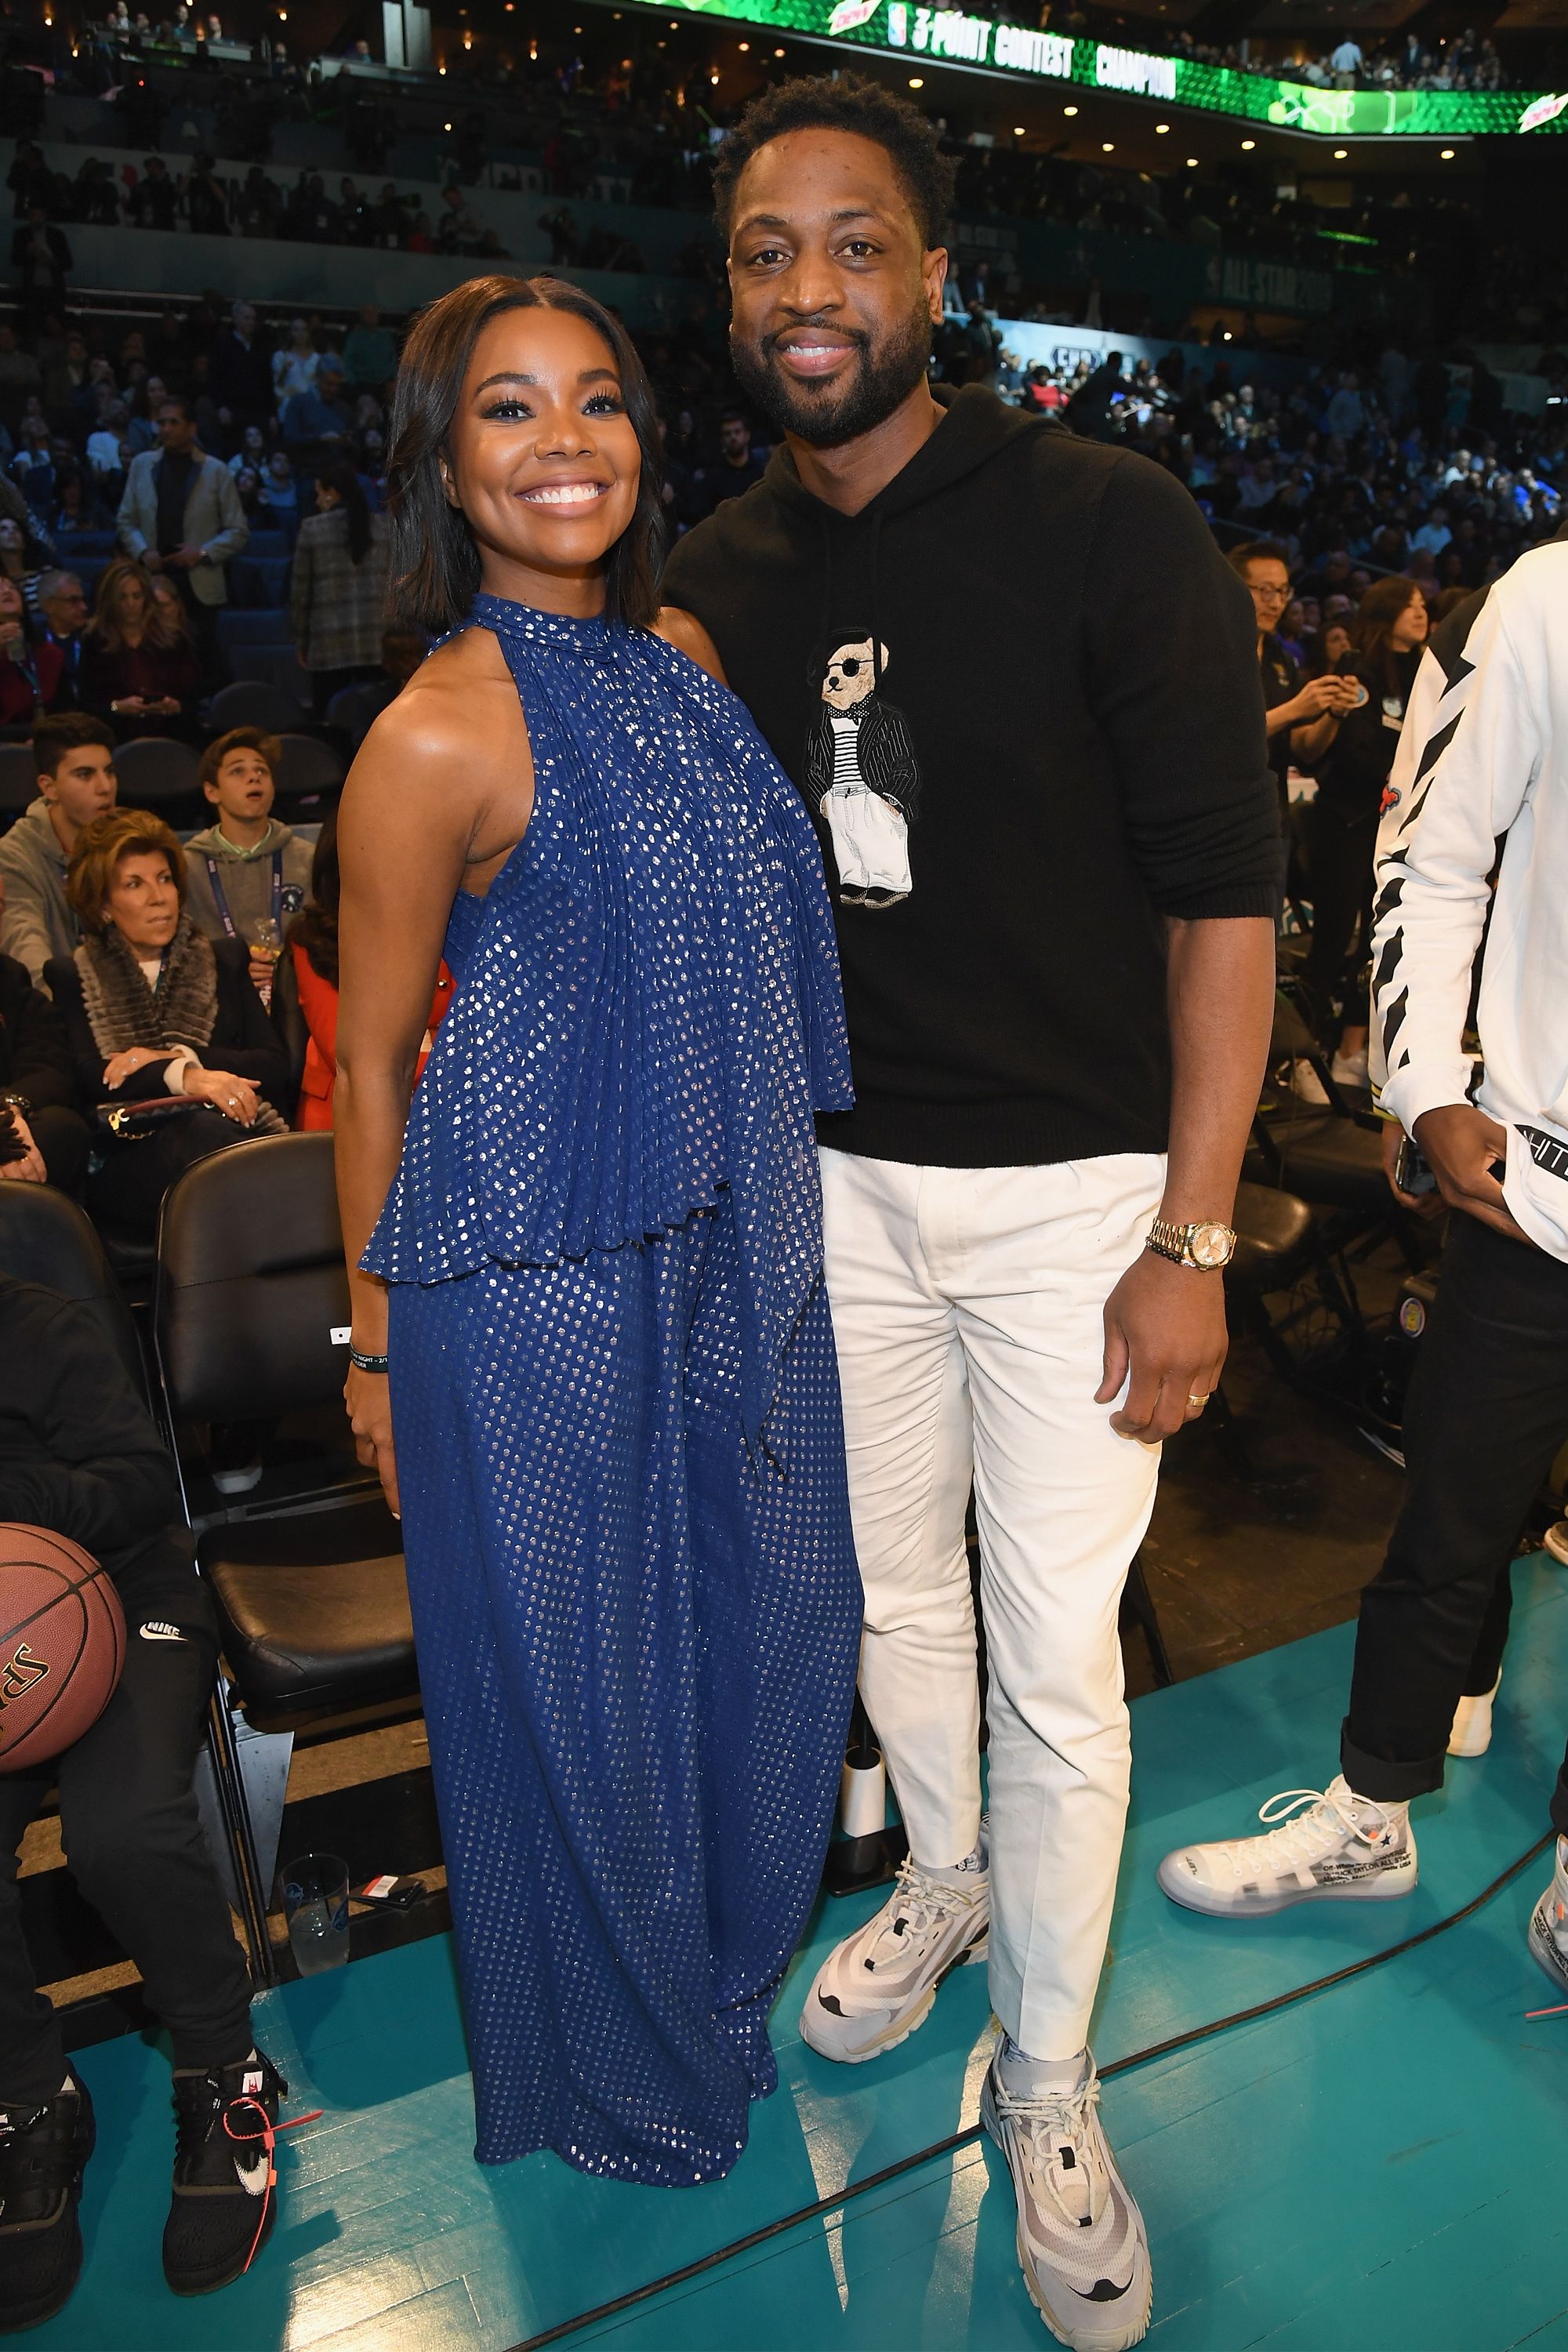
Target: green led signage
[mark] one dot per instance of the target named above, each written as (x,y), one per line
(903,28)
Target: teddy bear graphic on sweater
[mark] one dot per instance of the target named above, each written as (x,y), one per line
(861,773)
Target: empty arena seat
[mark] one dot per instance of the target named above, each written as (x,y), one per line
(307,766)
(266,544)
(258,580)
(251,1292)
(264,625)
(154,769)
(18,779)
(1331,1155)
(252,702)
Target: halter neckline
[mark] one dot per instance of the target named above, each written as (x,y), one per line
(513,620)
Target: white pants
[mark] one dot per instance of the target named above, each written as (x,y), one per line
(968,1308)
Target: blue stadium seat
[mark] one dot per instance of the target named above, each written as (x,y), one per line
(259,583)
(154,769)
(266,546)
(252,702)
(307,767)
(257,625)
(18,779)
(72,547)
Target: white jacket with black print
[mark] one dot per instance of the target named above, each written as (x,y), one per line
(1482,764)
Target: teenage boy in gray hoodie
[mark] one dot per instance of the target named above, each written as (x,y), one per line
(246,870)
(74,757)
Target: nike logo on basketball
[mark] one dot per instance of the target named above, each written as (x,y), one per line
(155,1630)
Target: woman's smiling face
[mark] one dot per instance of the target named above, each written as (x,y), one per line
(543,458)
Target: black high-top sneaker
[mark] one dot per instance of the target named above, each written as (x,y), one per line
(222,2208)
(43,2153)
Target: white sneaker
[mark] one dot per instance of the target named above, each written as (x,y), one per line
(877,1985)
(1344,1847)
(1082,2246)
(1351,1070)
(1556,1541)
(1307,1086)
(1548,1924)
(1472,1732)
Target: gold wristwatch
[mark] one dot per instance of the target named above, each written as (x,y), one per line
(1209,1246)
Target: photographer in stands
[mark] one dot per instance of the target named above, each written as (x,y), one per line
(79,1453)
(162,1023)
(1300,709)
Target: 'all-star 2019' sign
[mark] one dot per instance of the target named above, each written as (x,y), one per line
(952,36)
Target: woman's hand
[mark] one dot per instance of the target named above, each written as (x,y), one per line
(123,1065)
(236,1098)
(368,1397)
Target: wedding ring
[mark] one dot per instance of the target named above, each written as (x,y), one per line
(1201,1400)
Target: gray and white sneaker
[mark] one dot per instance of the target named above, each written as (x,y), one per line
(1344,1848)
(1548,1924)
(1082,2245)
(876,1987)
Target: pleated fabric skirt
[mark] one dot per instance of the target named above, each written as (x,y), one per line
(637,1650)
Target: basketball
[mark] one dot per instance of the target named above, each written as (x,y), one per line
(62,1645)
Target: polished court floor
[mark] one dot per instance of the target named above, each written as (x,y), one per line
(1382,2166)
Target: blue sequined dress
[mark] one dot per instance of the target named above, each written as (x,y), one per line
(617,1410)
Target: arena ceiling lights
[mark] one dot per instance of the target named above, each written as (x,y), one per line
(900,29)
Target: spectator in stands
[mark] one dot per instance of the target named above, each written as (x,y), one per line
(40,1128)
(356,711)
(738,468)
(247,873)
(314,947)
(181,513)
(295,364)
(29,674)
(154,1010)
(316,422)
(1387,637)
(206,198)
(154,201)
(339,590)
(80,1454)
(239,373)
(63,606)
(251,453)
(370,352)
(1296,706)
(24,557)
(138,665)
(74,754)
(42,259)
(280,494)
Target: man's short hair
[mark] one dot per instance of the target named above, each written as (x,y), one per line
(178,400)
(54,584)
(68,730)
(96,859)
(848,102)
(1257,550)
(238,738)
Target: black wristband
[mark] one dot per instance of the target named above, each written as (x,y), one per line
(367,1363)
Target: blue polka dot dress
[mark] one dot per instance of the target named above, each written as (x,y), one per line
(616,1411)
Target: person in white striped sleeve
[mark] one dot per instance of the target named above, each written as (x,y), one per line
(1483,762)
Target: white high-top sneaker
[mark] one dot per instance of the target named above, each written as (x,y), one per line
(1548,1924)
(1472,1732)
(1344,1848)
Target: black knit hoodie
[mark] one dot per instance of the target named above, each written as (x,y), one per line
(1019,693)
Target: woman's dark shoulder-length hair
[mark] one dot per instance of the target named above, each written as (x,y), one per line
(435,558)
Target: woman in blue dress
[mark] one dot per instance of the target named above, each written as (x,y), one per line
(592,1353)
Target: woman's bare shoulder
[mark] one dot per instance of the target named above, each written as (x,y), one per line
(461,702)
(686,632)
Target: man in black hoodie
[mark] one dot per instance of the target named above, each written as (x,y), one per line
(1017,686)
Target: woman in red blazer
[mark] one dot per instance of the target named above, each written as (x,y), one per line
(313,944)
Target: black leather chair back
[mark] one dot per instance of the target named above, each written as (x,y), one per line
(251,1283)
(288,1020)
(47,1239)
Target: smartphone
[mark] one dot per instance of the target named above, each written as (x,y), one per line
(389,1893)
(1411,1172)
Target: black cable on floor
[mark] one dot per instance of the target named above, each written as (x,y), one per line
(958,2139)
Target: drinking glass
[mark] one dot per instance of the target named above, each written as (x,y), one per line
(316,1905)
(264,938)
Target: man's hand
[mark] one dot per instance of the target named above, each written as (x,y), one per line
(29,1168)
(1423,1204)
(187,557)
(1165,1324)
(149,560)
(1461,1143)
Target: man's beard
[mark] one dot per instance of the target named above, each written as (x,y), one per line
(825,414)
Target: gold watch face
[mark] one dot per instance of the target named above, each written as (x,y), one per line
(1212,1244)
